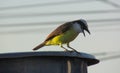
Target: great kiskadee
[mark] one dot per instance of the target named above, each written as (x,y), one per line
(65,33)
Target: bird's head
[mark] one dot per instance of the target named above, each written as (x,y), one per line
(83,25)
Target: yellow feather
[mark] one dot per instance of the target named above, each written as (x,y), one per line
(63,38)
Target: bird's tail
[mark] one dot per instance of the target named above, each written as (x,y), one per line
(39,46)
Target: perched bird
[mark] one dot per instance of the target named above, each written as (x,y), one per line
(65,33)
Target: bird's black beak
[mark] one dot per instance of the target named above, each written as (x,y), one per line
(87,31)
(83,33)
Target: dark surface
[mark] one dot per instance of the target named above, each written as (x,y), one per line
(45,62)
(33,65)
(91,60)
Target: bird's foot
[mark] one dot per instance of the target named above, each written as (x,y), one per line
(71,51)
(75,51)
(66,50)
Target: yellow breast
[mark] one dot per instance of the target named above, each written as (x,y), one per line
(63,38)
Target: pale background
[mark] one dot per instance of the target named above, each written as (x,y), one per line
(25,23)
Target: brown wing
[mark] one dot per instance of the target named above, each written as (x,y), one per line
(59,30)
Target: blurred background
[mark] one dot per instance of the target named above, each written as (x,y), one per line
(25,23)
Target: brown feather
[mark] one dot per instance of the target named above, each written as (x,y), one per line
(59,30)
(39,46)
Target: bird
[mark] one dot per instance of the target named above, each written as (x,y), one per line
(64,34)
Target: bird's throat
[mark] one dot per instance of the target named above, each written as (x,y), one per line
(77,27)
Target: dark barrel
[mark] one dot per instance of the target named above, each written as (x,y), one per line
(46,62)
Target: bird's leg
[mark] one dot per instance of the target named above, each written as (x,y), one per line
(71,48)
(63,47)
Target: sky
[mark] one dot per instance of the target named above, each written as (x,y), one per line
(25,23)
